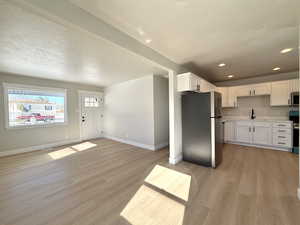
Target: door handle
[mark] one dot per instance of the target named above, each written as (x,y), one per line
(254,92)
(249,129)
(253,129)
(250,92)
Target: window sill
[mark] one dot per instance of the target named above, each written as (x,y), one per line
(37,126)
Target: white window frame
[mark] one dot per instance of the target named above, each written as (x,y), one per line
(45,90)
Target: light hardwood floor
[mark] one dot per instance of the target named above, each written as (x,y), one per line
(89,187)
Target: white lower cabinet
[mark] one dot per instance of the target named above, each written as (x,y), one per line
(243,131)
(282,135)
(262,133)
(229,131)
(272,134)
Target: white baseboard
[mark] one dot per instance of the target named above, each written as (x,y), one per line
(260,146)
(298,193)
(129,142)
(162,145)
(38,147)
(175,160)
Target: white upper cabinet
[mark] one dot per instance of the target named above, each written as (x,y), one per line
(232,99)
(253,90)
(280,93)
(188,82)
(205,86)
(294,85)
(244,90)
(261,89)
(191,82)
(224,92)
(228,96)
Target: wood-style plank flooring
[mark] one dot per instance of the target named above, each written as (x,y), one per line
(93,186)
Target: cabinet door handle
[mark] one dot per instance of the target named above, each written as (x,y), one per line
(249,129)
(253,129)
(254,92)
(281,131)
(281,136)
(281,143)
(250,92)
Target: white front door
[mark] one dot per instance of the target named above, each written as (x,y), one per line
(91,115)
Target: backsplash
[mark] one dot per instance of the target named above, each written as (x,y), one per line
(261,106)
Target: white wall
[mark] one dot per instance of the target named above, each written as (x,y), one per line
(161,111)
(17,139)
(130,112)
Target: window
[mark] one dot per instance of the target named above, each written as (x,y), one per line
(91,102)
(27,106)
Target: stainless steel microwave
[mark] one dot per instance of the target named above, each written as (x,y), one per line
(295,98)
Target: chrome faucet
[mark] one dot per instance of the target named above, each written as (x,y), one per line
(253,116)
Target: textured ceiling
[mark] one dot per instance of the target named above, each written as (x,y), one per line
(34,46)
(246,35)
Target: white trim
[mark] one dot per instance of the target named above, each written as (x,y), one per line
(260,146)
(33,87)
(93,93)
(175,160)
(175,126)
(86,93)
(129,142)
(298,193)
(45,90)
(212,127)
(38,147)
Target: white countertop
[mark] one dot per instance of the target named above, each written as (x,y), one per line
(259,119)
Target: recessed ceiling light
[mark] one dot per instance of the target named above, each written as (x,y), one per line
(141,32)
(286,50)
(148,41)
(182,3)
(221,65)
(276,68)
(230,76)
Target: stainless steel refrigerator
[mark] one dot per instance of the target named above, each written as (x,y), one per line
(202,128)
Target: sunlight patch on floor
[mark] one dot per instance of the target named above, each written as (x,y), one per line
(61,153)
(149,207)
(71,150)
(84,146)
(171,181)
